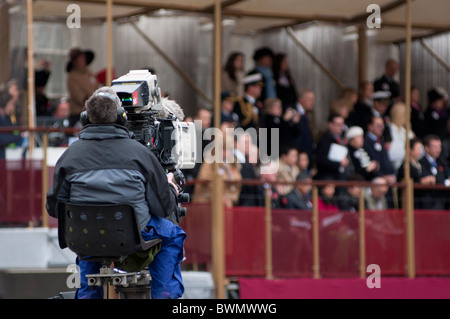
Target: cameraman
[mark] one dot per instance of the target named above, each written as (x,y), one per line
(107,166)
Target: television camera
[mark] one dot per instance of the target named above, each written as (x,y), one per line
(156,122)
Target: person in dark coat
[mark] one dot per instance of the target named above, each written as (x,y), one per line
(284,125)
(436,114)
(248,107)
(363,165)
(326,165)
(434,167)
(387,81)
(285,84)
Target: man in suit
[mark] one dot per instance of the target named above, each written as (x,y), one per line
(304,140)
(375,148)
(387,81)
(326,164)
(432,165)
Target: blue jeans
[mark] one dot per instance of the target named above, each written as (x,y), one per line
(165,268)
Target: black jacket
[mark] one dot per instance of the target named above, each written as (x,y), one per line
(107,166)
(377,152)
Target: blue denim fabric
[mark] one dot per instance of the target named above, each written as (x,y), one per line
(165,268)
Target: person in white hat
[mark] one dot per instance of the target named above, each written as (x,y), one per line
(361,161)
(247,107)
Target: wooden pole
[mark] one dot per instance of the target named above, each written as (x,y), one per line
(435,55)
(109,42)
(44,181)
(268,221)
(333,77)
(410,247)
(315,232)
(218,221)
(31,95)
(362,235)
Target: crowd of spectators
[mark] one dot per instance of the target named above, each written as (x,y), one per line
(364,140)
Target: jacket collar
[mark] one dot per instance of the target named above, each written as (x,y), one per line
(103,132)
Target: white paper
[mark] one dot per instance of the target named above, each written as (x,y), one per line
(337,152)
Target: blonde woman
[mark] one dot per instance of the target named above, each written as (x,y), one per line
(397,129)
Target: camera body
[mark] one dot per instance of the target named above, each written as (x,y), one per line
(155,123)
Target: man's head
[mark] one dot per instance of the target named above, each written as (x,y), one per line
(432,145)
(204,115)
(376,126)
(273,106)
(253,84)
(289,155)
(391,68)
(306,98)
(379,188)
(335,124)
(103,106)
(263,57)
(381,100)
(436,99)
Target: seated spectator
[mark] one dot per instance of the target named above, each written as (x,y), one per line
(6,109)
(246,154)
(375,147)
(229,171)
(379,107)
(269,177)
(436,115)
(348,200)
(300,196)
(327,165)
(397,128)
(432,166)
(362,164)
(60,109)
(285,125)
(226,109)
(375,196)
(327,200)
(415,170)
(303,162)
(288,170)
